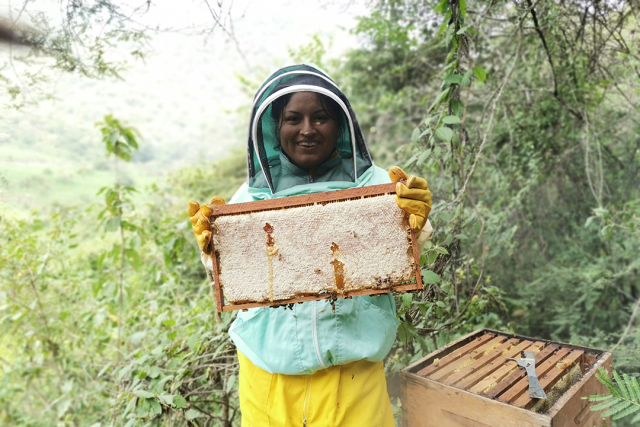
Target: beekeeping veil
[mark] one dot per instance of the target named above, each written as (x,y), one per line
(264,147)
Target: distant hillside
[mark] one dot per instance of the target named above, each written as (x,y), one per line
(184,100)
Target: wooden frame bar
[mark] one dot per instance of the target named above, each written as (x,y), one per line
(307,200)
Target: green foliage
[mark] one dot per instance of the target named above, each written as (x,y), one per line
(119,140)
(523,119)
(114,326)
(623,399)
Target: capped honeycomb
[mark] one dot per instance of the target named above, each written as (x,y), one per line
(332,248)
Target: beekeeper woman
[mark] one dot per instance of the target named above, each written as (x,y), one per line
(310,366)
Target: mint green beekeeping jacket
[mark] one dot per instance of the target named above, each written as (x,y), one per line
(310,336)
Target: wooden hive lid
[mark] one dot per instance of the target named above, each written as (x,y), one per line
(478,365)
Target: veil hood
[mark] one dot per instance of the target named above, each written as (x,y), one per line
(264,148)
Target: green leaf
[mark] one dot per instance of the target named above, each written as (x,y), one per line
(415,135)
(63,407)
(166,398)
(441,304)
(410,162)
(179,402)
(444,216)
(429,277)
(447,38)
(606,404)
(451,120)
(442,250)
(406,331)
(432,257)
(621,385)
(630,410)
(231,383)
(424,156)
(169,322)
(143,408)
(154,372)
(616,408)
(112,224)
(453,78)
(113,136)
(442,6)
(137,337)
(466,78)
(422,306)
(480,73)
(444,133)
(599,397)
(440,98)
(406,300)
(603,377)
(192,342)
(192,414)
(133,257)
(634,386)
(463,7)
(156,409)
(143,394)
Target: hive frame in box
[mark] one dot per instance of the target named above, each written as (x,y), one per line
(450,406)
(308,200)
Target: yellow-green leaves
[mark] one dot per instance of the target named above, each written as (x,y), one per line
(119,140)
(480,73)
(451,120)
(444,133)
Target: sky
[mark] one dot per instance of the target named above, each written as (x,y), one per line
(185,96)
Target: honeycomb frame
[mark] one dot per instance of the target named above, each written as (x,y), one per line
(382,285)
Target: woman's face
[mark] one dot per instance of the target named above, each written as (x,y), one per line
(307,134)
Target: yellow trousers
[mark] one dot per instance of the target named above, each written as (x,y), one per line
(352,395)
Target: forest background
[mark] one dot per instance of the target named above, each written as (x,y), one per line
(524,116)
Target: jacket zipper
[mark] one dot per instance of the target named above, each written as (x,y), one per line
(315,334)
(305,407)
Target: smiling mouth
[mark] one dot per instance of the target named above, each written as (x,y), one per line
(308,143)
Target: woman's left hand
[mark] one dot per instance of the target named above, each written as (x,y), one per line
(414,197)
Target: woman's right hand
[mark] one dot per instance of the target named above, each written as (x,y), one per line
(199,216)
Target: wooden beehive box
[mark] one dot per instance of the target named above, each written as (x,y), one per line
(329,245)
(469,383)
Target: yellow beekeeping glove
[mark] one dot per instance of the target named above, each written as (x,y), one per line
(414,197)
(199,216)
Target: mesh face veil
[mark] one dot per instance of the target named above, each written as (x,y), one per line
(264,148)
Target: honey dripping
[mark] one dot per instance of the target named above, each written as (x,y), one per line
(272,250)
(338,267)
